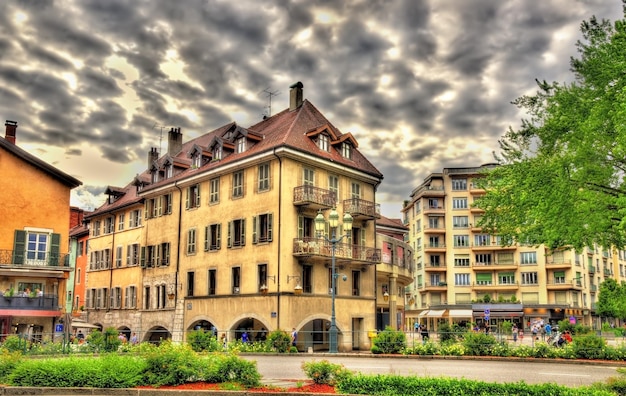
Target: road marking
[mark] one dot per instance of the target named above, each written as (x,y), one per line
(567,375)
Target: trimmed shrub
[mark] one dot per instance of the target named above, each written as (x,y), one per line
(325,372)
(201,340)
(390,341)
(589,347)
(219,368)
(172,364)
(479,344)
(279,341)
(8,362)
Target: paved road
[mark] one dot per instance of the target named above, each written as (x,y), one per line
(569,374)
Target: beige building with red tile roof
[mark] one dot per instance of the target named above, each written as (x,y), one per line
(219,233)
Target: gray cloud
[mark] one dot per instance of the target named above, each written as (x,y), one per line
(422,84)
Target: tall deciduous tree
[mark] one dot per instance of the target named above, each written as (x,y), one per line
(561,179)
(612,299)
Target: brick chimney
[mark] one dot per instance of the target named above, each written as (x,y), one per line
(174,141)
(10,131)
(153,155)
(295,95)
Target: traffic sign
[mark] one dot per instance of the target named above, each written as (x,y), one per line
(58,328)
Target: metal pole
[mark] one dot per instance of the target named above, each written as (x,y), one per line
(333,325)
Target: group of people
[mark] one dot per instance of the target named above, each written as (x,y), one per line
(24,293)
(422,330)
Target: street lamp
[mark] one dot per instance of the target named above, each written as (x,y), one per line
(320,225)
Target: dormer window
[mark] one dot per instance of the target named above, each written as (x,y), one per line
(323,142)
(195,160)
(169,171)
(155,175)
(241,144)
(346,150)
(217,152)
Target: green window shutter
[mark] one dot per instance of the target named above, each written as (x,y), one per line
(218,241)
(19,247)
(559,274)
(243,232)
(55,250)
(255,231)
(187,197)
(483,277)
(270,222)
(207,238)
(143,257)
(198,197)
(229,239)
(300,227)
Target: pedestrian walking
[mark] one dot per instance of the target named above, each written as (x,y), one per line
(515,332)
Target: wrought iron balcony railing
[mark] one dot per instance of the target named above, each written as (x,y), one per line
(16,258)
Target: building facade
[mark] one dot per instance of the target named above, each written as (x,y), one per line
(34,235)
(465,275)
(219,234)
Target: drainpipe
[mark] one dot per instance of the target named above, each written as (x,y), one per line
(112,264)
(180,214)
(280,220)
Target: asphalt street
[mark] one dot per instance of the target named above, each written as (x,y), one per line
(288,367)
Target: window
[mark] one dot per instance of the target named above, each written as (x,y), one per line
(78,276)
(109,225)
(346,150)
(165,206)
(462,279)
(190,283)
(212,282)
(118,256)
(151,207)
(36,247)
(237,233)
(505,258)
(236,278)
(95,230)
(459,203)
(483,259)
(529,278)
(461,240)
(307,279)
(196,158)
(217,152)
(434,241)
(323,142)
(262,228)
(164,254)
(132,255)
(116,298)
(169,170)
(460,221)
(262,276)
(435,280)
(356,190)
(333,185)
(433,222)
(264,177)
(435,260)
(483,279)
(433,203)
(559,277)
(482,240)
(214,194)
(81,248)
(308,177)
(237,184)
(130,297)
(135,219)
(212,237)
(356,283)
(241,144)
(461,261)
(528,258)
(120,222)
(191,241)
(459,184)
(506,278)
(193,197)
(146,298)
(161,296)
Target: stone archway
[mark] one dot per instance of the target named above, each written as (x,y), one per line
(157,334)
(252,327)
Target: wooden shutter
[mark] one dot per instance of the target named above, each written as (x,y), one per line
(19,247)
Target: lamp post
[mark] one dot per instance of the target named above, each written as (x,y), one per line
(320,225)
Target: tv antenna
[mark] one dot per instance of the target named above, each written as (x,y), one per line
(269,93)
(160,127)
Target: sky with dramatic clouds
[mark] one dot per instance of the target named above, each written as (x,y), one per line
(421,84)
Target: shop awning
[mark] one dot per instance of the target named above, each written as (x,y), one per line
(435,313)
(460,313)
(422,314)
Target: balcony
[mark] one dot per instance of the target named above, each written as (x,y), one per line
(434,230)
(558,264)
(434,247)
(361,209)
(435,267)
(493,266)
(476,190)
(435,286)
(493,245)
(434,209)
(563,284)
(46,264)
(592,269)
(608,272)
(322,249)
(429,191)
(593,288)
(43,303)
(495,286)
(314,197)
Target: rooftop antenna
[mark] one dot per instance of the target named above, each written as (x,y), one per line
(269,94)
(160,127)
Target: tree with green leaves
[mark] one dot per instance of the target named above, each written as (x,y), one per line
(561,176)
(612,299)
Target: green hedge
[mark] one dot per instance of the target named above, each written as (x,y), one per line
(388,385)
